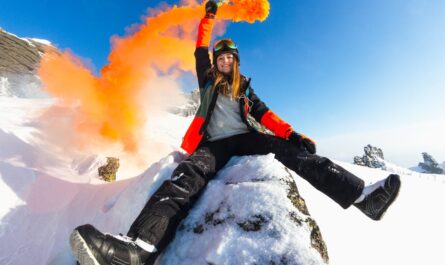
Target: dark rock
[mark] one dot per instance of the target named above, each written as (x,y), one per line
(430,165)
(255,223)
(108,171)
(372,158)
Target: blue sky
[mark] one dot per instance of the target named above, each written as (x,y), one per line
(330,68)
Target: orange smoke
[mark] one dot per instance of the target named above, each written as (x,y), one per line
(111,105)
(244,10)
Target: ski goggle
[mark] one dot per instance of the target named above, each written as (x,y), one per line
(224,43)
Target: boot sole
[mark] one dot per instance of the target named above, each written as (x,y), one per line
(80,250)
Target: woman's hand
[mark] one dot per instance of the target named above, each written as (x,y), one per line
(301,139)
(211,8)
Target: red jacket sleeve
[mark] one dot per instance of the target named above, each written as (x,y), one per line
(202,57)
(204,32)
(274,123)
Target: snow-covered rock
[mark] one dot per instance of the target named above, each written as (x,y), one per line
(429,164)
(251,213)
(372,158)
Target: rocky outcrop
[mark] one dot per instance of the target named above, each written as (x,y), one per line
(372,158)
(19,59)
(430,165)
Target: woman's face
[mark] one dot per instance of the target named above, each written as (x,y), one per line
(225,63)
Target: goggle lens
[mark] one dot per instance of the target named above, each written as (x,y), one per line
(226,42)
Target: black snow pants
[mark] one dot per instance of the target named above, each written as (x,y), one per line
(160,217)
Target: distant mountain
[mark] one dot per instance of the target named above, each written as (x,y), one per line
(19,59)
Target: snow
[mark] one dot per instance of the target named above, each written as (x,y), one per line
(46,192)
(42,41)
(10,33)
(4,86)
(410,232)
(30,41)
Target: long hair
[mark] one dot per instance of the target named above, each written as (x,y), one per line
(223,80)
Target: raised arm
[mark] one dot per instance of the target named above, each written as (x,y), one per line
(202,57)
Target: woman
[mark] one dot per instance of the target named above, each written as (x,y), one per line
(220,130)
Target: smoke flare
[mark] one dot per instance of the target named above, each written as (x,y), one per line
(113,105)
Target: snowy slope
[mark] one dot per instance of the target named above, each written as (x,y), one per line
(410,233)
(46,193)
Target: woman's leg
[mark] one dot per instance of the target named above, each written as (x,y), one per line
(331,179)
(161,215)
(155,226)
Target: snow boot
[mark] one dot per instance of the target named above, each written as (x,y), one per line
(91,247)
(379,196)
